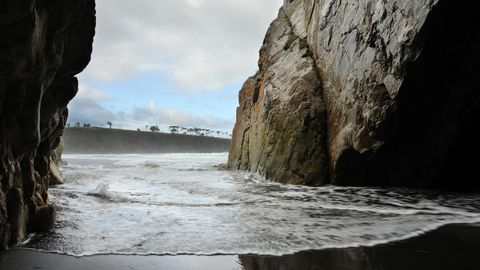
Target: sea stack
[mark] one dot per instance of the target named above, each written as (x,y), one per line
(364,93)
(43,45)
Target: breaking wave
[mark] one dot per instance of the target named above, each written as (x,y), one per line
(182,204)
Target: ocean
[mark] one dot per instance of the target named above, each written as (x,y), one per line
(171,204)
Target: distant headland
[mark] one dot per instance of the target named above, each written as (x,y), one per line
(91,140)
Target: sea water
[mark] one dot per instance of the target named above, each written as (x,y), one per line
(183,204)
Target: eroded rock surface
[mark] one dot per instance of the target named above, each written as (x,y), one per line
(43,45)
(281,118)
(390,88)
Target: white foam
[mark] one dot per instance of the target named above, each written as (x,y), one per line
(119,204)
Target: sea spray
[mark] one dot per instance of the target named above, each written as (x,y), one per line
(182,204)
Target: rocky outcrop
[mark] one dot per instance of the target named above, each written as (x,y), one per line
(43,45)
(58,151)
(56,176)
(364,93)
(281,118)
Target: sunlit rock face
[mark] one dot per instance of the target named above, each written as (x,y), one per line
(364,93)
(281,121)
(43,45)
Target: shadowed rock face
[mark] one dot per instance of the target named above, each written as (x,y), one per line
(364,93)
(43,45)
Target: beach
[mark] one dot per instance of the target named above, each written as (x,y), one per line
(449,247)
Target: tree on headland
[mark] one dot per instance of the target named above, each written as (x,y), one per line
(109,123)
(77,124)
(86,125)
(173,129)
(196,131)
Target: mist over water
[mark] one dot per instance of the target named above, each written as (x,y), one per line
(182,204)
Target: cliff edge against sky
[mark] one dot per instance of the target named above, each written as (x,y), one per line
(43,45)
(364,93)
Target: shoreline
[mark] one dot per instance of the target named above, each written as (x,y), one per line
(452,246)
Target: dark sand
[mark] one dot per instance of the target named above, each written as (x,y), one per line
(452,247)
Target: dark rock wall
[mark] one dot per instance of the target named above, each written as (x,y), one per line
(398,95)
(424,137)
(43,45)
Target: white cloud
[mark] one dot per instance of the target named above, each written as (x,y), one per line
(196,44)
(87,110)
(150,113)
(85,92)
(196,3)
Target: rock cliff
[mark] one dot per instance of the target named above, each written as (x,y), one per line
(43,45)
(375,92)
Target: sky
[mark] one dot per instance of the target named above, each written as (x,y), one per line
(171,62)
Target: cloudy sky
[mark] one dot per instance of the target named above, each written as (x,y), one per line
(171,62)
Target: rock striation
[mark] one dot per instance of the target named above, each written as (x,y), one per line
(43,45)
(375,92)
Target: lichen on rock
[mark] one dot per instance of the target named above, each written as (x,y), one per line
(43,45)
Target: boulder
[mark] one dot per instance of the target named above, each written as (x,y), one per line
(56,177)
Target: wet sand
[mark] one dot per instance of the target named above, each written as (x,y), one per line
(449,247)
